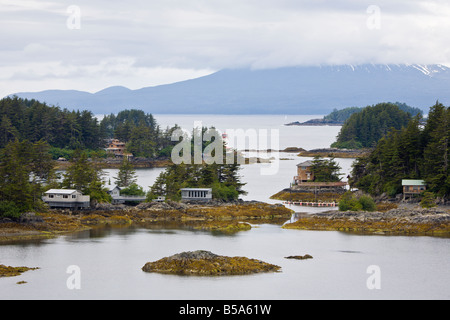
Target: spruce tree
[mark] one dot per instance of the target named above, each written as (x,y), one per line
(325,170)
(126,175)
(436,153)
(25,169)
(84,176)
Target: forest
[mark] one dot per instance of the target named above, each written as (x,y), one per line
(365,127)
(34,134)
(34,121)
(66,131)
(343,114)
(222,176)
(415,151)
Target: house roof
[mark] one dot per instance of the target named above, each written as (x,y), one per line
(407,182)
(305,164)
(196,189)
(61,191)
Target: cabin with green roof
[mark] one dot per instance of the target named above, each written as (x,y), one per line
(413,187)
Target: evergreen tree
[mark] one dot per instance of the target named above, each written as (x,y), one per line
(223,179)
(15,175)
(436,151)
(126,175)
(82,175)
(142,141)
(7,131)
(133,190)
(325,170)
(25,169)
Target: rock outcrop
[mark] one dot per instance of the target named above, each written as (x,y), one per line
(304,257)
(206,263)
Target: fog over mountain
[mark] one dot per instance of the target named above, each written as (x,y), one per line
(290,90)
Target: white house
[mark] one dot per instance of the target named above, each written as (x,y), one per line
(202,194)
(66,198)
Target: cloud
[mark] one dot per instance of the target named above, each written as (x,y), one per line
(133,43)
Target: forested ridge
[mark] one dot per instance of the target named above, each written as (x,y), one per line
(415,151)
(33,121)
(364,128)
(66,130)
(344,114)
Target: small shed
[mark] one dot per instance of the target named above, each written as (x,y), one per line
(413,187)
(118,198)
(196,194)
(115,192)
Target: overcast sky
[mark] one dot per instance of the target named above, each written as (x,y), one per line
(91,45)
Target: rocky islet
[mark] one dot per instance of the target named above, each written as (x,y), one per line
(206,263)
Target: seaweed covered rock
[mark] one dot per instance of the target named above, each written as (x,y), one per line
(306,256)
(404,221)
(8,271)
(206,263)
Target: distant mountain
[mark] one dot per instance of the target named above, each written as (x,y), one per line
(293,90)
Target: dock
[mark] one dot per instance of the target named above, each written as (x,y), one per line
(311,204)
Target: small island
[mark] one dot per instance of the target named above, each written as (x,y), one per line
(316,122)
(206,263)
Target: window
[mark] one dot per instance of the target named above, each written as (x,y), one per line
(65,196)
(74,196)
(51,196)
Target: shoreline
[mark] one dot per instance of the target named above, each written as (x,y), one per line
(229,218)
(223,217)
(334,153)
(110,163)
(400,221)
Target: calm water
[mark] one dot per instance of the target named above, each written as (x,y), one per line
(110,260)
(307,137)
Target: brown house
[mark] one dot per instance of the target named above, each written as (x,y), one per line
(304,173)
(305,179)
(117,148)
